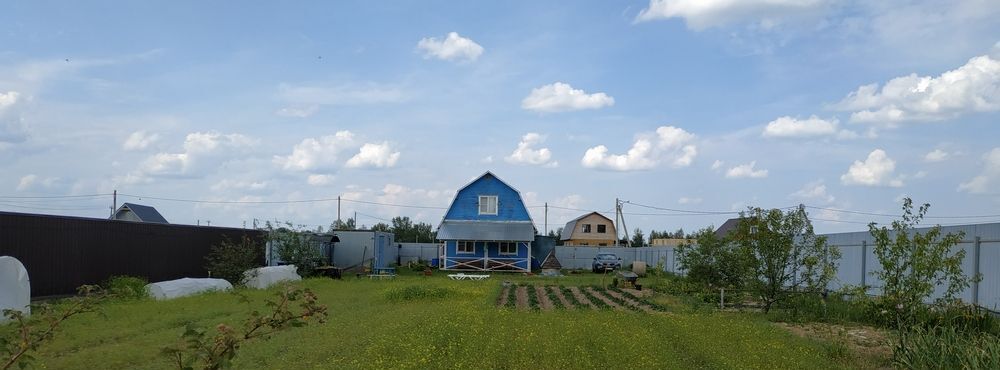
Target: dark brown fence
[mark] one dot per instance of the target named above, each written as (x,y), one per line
(62,253)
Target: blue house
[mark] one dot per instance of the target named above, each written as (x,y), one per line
(486,228)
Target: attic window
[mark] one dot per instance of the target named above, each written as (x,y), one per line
(586,228)
(602,229)
(488,204)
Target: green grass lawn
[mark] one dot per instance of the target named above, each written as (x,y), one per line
(371,327)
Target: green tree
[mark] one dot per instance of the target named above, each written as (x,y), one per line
(714,261)
(785,254)
(230,259)
(350,224)
(914,263)
(381,226)
(295,248)
(556,235)
(638,239)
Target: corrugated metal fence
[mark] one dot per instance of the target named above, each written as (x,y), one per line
(981,245)
(411,252)
(581,257)
(63,253)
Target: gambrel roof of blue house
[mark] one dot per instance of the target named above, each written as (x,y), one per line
(464,222)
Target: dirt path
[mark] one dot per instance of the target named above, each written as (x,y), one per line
(631,302)
(522,298)
(582,298)
(503,297)
(559,295)
(604,299)
(543,298)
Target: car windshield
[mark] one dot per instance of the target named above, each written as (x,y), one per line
(607,257)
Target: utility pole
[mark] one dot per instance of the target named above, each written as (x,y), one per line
(617,224)
(355,219)
(546,218)
(114,202)
(208,222)
(338,209)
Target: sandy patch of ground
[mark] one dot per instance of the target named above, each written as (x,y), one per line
(543,298)
(522,298)
(503,297)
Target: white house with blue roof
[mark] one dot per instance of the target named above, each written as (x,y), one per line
(487,228)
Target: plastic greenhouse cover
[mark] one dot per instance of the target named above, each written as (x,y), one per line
(15,287)
(184,287)
(264,277)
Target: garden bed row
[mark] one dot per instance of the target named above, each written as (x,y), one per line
(551,297)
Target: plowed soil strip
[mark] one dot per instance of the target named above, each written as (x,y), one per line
(630,301)
(582,298)
(636,293)
(522,298)
(503,297)
(559,294)
(543,298)
(604,299)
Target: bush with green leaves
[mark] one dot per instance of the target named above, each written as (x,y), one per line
(713,261)
(785,254)
(127,287)
(913,264)
(230,259)
(295,248)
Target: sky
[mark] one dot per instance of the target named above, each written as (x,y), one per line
(689,110)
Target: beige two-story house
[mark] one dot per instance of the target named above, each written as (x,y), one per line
(592,229)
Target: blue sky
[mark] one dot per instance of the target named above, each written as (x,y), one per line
(706,106)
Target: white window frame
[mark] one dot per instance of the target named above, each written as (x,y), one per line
(459,244)
(501,245)
(486,200)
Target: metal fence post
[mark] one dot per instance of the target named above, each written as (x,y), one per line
(975,271)
(864,265)
(722,298)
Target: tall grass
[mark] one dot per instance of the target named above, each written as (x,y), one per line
(947,348)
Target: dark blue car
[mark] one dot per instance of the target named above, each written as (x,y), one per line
(606,261)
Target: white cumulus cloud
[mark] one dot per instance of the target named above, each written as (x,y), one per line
(877,170)
(12,128)
(140,140)
(374,156)
(669,144)
(527,153)
(747,170)
(319,179)
(973,87)
(812,127)
(561,97)
(317,153)
(814,191)
(936,155)
(452,48)
(702,14)
(988,181)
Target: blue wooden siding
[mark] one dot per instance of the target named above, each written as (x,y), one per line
(510,207)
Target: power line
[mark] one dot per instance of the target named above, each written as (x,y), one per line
(891,215)
(391,204)
(52,208)
(5,197)
(682,210)
(230,201)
